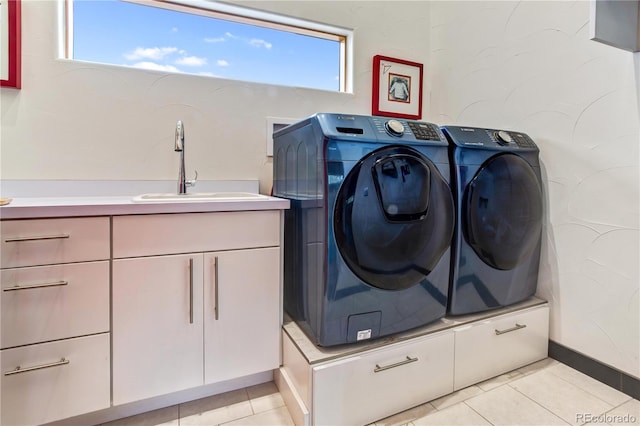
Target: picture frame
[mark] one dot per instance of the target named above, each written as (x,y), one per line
(397,88)
(10,51)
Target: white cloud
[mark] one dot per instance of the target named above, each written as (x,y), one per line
(156,67)
(192,61)
(155,53)
(222,63)
(174,29)
(256,42)
(214,40)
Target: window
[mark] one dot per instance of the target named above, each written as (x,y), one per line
(210,39)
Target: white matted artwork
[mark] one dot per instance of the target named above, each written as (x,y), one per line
(397,88)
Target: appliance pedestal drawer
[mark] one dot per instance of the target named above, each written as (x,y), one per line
(488,348)
(362,383)
(371,386)
(52,381)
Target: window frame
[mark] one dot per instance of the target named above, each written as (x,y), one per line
(240,14)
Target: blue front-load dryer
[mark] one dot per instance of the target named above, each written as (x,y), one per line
(367,237)
(498,197)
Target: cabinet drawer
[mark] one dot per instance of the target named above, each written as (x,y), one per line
(48,388)
(366,388)
(497,345)
(49,241)
(46,303)
(145,235)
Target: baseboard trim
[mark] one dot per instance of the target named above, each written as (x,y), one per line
(593,368)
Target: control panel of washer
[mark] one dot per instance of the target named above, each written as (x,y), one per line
(418,129)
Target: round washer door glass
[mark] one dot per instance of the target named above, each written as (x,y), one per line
(503,211)
(393,218)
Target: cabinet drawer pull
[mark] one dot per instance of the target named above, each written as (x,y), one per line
(508,330)
(215,289)
(190,291)
(409,360)
(32,286)
(18,369)
(43,237)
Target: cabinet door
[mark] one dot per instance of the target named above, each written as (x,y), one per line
(157,326)
(242,312)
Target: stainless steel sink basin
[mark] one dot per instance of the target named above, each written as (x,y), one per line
(198,197)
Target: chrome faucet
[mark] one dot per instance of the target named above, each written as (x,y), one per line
(179,147)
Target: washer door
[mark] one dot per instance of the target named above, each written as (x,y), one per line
(393,218)
(502,211)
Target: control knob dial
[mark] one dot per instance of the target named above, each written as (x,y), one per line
(504,138)
(394,127)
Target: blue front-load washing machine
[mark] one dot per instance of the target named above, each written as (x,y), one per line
(498,197)
(367,237)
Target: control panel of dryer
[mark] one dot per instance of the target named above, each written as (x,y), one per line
(469,137)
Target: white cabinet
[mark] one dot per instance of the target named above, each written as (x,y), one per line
(43,303)
(54,319)
(359,385)
(196,300)
(242,313)
(490,347)
(55,380)
(53,241)
(157,326)
(361,389)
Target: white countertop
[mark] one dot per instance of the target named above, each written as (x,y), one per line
(40,207)
(40,199)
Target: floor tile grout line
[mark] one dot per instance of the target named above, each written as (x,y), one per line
(472,409)
(539,404)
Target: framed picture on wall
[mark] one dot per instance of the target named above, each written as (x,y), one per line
(10,43)
(397,88)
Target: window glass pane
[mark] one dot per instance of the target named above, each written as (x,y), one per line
(143,36)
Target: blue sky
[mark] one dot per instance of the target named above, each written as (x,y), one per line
(121,33)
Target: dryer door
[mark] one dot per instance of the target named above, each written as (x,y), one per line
(393,218)
(502,211)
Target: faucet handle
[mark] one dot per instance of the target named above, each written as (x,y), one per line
(192,182)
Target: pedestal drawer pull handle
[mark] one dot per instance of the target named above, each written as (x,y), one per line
(18,369)
(32,286)
(409,360)
(43,237)
(517,327)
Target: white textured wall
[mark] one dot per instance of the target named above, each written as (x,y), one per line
(84,121)
(530,66)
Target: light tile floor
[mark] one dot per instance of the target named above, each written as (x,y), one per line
(541,394)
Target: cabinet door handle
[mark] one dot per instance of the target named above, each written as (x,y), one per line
(409,360)
(32,286)
(508,330)
(37,238)
(216,314)
(191,291)
(18,369)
